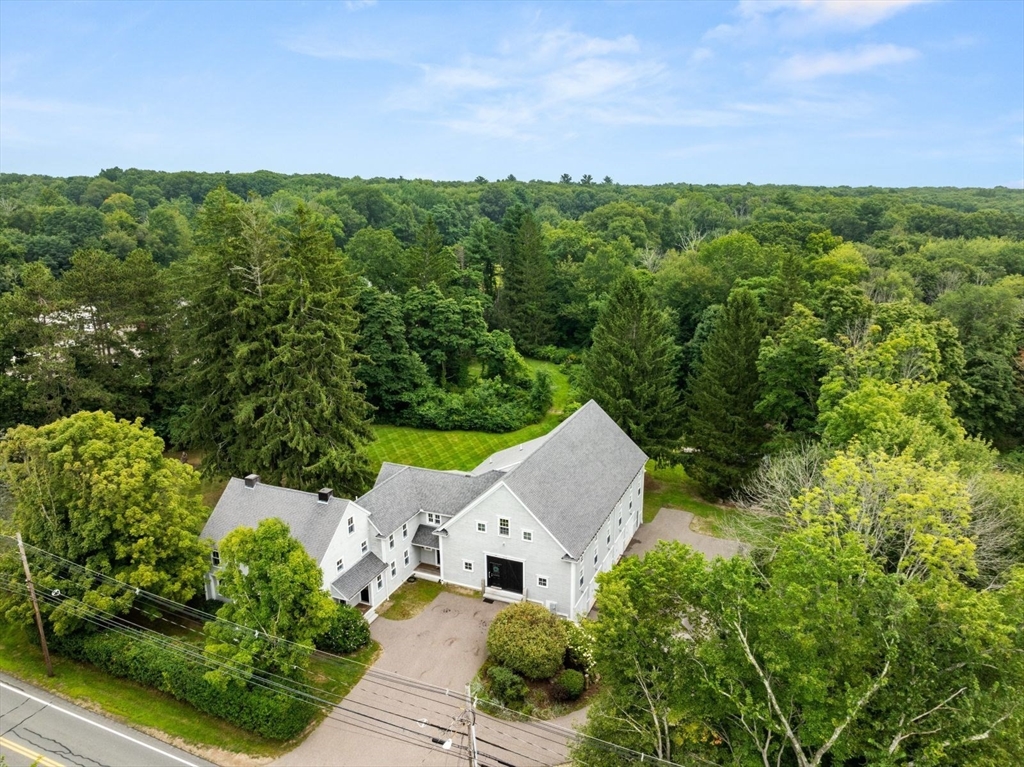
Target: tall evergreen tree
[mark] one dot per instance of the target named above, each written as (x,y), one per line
(722,427)
(630,370)
(394,375)
(429,259)
(524,305)
(271,329)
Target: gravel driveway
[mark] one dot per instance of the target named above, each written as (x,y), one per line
(674,525)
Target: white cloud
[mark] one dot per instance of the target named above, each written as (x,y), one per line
(797,18)
(860,59)
(537,83)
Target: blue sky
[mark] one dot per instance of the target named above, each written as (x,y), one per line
(853,92)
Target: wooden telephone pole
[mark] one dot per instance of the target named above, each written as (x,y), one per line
(35,607)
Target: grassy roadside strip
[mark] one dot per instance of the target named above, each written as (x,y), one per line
(155,712)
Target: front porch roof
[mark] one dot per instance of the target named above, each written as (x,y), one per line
(425,537)
(352,581)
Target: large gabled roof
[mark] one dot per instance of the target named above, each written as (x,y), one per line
(312,523)
(574,477)
(403,491)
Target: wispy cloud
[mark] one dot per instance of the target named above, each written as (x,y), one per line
(534,82)
(851,61)
(797,18)
(359,5)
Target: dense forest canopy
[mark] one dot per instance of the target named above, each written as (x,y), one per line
(111,286)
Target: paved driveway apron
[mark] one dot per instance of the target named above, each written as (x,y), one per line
(387,722)
(674,525)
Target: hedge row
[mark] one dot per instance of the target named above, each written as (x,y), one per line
(252,708)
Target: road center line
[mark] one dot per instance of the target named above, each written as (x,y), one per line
(97,724)
(37,759)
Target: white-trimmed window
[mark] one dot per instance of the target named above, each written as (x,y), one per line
(608,538)
(364,547)
(394,570)
(481,527)
(433,519)
(639,489)
(527,535)
(581,578)
(595,556)
(351,525)
(620,519)
(340,565)
(215,558)
(503,526)
(407,557)
(542,581)
(405,530)
(391,541)
(467,565)
(631,503)
(380,581)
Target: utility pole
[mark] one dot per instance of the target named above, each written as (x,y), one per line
(471,712)
(35,607)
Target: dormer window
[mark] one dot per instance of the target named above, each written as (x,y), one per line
(215,558)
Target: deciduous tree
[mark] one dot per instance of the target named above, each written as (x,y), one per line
(98,492)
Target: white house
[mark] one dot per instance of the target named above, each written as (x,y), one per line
(537,521)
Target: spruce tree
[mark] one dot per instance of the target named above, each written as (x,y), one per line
(524,304)
(631,369)
(722,428)
(270,378)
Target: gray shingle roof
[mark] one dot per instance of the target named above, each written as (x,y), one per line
(572,480)
(351,582)
(425,537)
(406,492)
(509,458)
(311,523)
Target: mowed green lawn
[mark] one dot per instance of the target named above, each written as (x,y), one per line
(462,449)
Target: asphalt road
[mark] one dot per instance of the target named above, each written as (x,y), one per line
(37,728)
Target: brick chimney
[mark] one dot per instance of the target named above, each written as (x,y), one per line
(323,495)
(251,480)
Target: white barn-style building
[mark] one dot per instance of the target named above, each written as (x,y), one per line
(537,521)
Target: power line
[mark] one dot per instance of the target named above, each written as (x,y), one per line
(374,674)
(268,684)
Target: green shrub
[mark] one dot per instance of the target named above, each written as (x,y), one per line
(569,685)
(528,639)
(579,652)
(347,632)
(507,686)
(251,707)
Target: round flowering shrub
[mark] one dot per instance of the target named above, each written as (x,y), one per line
(579,652)
(527,639)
